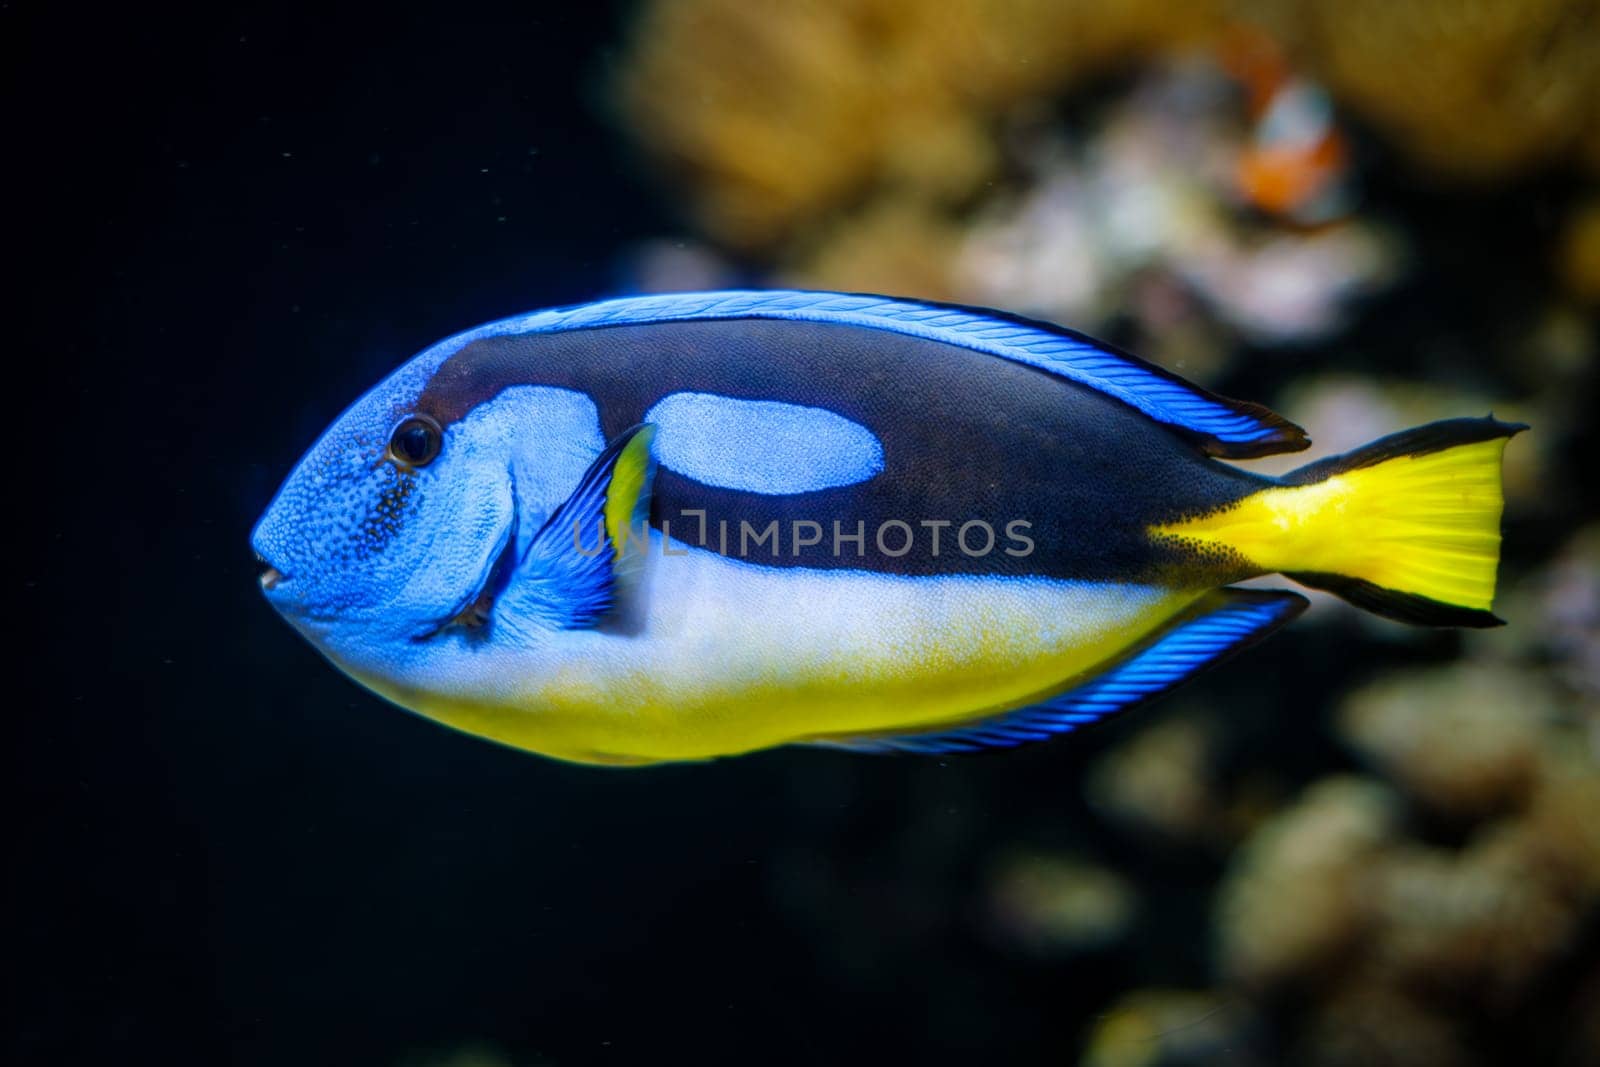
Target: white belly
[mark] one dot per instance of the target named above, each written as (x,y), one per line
(725,656)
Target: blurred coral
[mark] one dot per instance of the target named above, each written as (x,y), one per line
(1148,193)
(1407,944)
(1466,741)
(676,266)
(1207,198)
(1382,948)
(1478,89)
(1558,611)
(933,169)
(1170,1028)
(781,116)
(1057,905)
(1580,250)
(1361,1026)
(778,115)
(1158,781)
(887,246)
(1291,904)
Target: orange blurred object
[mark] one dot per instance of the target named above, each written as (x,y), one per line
(1289,179)
(1296,158)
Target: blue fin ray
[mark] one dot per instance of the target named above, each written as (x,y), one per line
(1222,624)
(570,572)
(1223,427)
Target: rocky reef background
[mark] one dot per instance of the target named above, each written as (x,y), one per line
(1357,844)
(1364,844)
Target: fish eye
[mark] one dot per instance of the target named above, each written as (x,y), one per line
(415,441)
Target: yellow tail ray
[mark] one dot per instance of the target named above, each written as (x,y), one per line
(1408,527)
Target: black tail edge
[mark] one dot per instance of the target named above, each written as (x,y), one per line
(1417,441)
(1402,607)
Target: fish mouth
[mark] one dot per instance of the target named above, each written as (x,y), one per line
(271,577)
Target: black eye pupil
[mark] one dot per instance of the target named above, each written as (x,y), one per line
(415,441)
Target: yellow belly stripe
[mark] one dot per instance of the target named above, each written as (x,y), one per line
(733,658)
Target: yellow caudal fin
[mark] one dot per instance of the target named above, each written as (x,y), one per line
(1407,527)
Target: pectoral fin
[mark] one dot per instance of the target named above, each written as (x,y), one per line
(1223,623)
(576,566)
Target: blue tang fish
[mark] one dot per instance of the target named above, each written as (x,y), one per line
(692,525)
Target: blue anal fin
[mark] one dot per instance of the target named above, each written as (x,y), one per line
(1222,624)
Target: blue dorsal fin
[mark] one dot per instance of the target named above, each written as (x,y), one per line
(1222,427)
(568,576)
(1223,623)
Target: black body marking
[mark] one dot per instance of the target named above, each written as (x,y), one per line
(966,436)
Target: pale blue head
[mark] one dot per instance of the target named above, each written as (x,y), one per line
(387,529)
(393,530)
